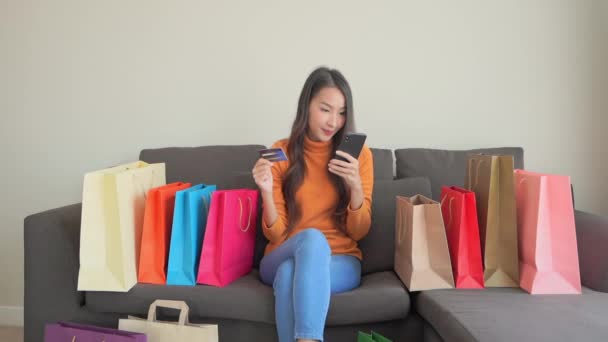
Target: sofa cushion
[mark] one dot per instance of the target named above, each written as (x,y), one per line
(381,297)
(378,246)
(206,164)
(510,314)
(445,167)
(383,163)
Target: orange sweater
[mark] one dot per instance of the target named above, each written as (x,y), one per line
(317,196)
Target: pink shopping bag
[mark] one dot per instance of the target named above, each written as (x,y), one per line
(548,254)
(229,240)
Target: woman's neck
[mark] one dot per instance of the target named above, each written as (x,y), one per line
(313,146)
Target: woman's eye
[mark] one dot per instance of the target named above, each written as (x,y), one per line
(325,110)
(342,113)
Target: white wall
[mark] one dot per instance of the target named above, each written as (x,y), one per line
(87,84)
(596,190)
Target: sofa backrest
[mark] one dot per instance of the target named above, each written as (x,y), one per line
(229,167)
(378,246)
(217,165)
(419,171)
(225,165)
(383,163)
(445,167)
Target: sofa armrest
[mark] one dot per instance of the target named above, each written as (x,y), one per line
(592,239)
(51,263)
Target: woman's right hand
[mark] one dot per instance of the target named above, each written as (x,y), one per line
(262,174)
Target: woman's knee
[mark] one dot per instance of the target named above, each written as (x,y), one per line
(345,273)
(313,238)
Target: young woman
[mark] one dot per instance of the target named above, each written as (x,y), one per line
(316,208)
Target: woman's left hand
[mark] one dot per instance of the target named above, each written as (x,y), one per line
(349,170)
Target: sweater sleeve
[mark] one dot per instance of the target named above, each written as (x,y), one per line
(275,233)
(359,221)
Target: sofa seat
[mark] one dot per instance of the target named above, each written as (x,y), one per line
(381,297)
(511,314)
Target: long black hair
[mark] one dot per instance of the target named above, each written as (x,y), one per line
(320,78)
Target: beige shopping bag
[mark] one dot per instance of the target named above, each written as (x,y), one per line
(491,178)
(422,258)
(158,331)
(113,202)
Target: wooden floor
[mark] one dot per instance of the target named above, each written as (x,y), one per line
(11,334)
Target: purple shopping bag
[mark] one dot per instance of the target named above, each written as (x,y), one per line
(72,332)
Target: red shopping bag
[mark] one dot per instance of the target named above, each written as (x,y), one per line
(229,240)
(156,234)
(462,229)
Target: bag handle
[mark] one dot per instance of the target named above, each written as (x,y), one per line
(474,186)
(103,339)
(172,304)
(206,204)
(399,223)
(244,230)
(442,202)
(521,182)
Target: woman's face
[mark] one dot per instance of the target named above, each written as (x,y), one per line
(327,114)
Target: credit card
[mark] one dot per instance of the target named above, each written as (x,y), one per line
(273,154)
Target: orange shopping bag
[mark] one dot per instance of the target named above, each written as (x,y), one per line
(156,234)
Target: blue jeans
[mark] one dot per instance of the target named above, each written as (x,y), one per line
(304,274)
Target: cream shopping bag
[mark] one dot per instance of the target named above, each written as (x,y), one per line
(158,331)
(113,202)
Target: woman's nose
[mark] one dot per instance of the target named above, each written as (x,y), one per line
(333,120)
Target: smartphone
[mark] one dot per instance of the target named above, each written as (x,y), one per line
(352,143)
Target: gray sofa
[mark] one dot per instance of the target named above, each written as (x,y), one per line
(244,310)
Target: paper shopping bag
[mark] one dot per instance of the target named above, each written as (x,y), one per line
(72,332)
(156,234)
(373,337)
(113,202)
(182,331)
(229,240)
(189,222)
(548,253)
(460,217)
(422,259)
(491,179)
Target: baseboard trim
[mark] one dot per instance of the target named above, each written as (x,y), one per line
(11,316)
